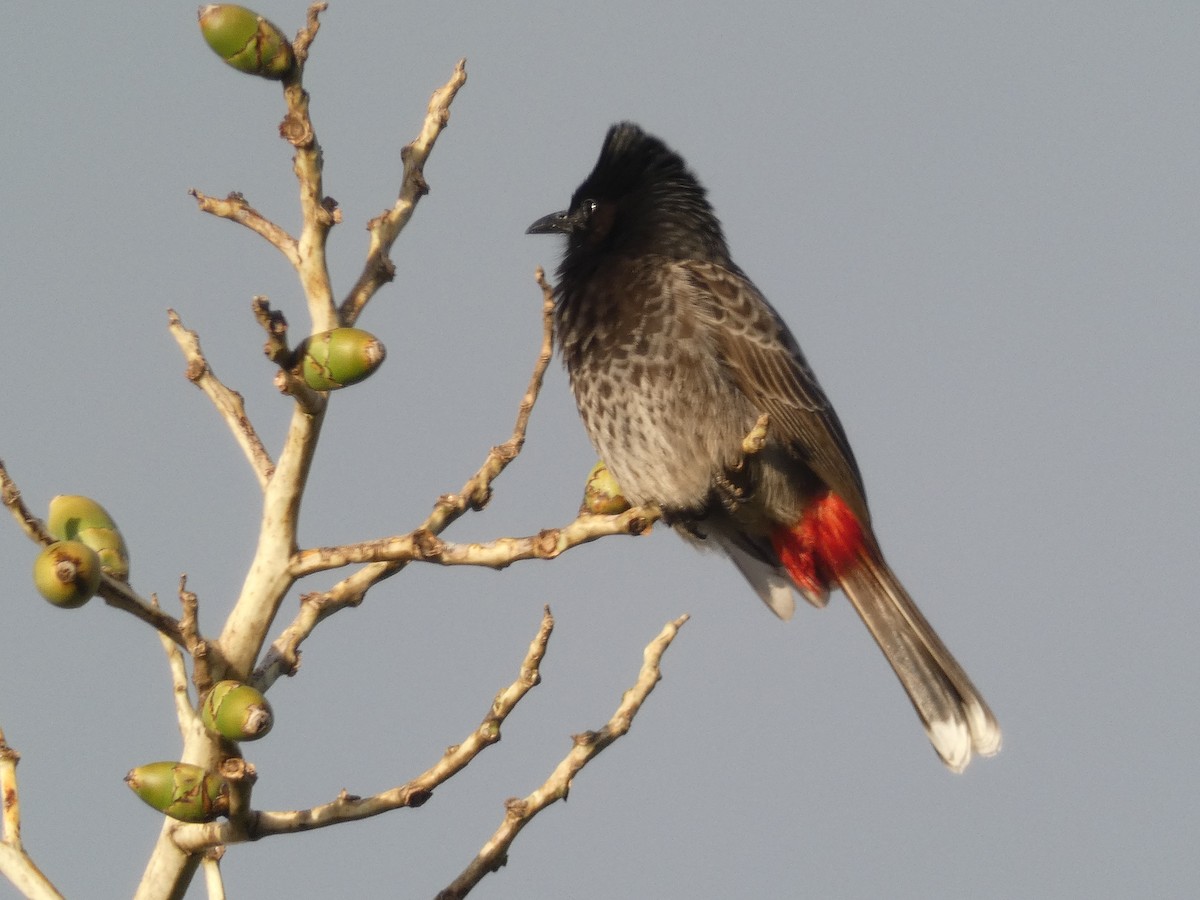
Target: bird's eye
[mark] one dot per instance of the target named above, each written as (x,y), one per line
(586,208)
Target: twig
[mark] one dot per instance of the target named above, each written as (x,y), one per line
(15,864)
(184,711)
(119,595)
(347,807)
(10,494)
(306,35)
(319,213)
(276,327)
(385,228)
(10,824)
(424,546)
(235,208)
(478,490)
(229,403)
(519,812)
(193,641)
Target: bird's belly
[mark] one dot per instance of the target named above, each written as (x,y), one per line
(664,430)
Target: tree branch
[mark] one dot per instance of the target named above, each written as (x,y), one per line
(385,228)
(519,812)
(347,807)
(235,208)
(10,494)
(170,870)
(319,213)
(179,686)
(424,546)
(15,864)
(476,493)
(229,403)
(10,798)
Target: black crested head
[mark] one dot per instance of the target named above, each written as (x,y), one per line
(640,199)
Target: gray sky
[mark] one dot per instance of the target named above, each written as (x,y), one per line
(979,219)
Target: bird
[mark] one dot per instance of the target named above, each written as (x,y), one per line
(674,356)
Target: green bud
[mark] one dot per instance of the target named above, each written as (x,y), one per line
(71,512)
(602,495)
(67,573)
(247,41)
(182,791)
(338,358)
(237,711)
(110,547)
(76,518)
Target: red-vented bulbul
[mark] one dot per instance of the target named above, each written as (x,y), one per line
(673,354)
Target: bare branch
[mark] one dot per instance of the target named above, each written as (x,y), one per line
(15,864)
(268,580)
(306,35)
(478,490)
(424,546)
(10,823)
(121,596)
(347,807)
(235,208)
(385,228)
(10,494)
(193,642)
(319,213)
(229,403)
(184,711)
(519,812)
(276,327)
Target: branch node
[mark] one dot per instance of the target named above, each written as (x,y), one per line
(234,768)
(296,130)
(584,738)
(273,322)
(427,545)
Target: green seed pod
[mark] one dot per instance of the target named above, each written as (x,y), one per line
(602,495)
(338,358)
(247,41)
(110,546)
(67,573)
(182,791)
(71,512)
(237,711)
(76,518)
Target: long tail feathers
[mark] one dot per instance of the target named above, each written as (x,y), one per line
(956,718)
(829,546)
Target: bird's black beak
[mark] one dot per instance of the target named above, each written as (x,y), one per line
(556,223)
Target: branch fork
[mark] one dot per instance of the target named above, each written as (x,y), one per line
(279,562)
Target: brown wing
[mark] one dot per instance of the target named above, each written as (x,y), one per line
(766,363)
